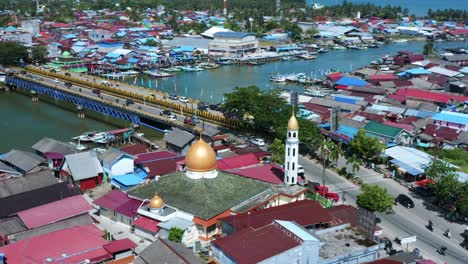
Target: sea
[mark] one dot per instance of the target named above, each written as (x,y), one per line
(417,7)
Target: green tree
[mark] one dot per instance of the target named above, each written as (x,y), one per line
(232,25)
(428,49)
(329,154)
(39,54)
(375,199)
(11,53)
(369,148)
(152,43)
(437,169)
(175,234)
(277,150)
(309,135)
(355,163)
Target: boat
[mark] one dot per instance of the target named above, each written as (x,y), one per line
(86,136)
(208,65)
(307,56)
(361,47)
(338,47)
(158,74)
(191,68)
(278,78)
(78,146)
(289,58)
(374,45)
(254,63)
(399,40)
(172,69)
(121,74)
(105,139)
(322,50)
(225,61)
(99,136)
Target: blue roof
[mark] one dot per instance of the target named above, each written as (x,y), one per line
(347,81)
(133,60)
(452,117)
(233,34)
(10,28)
(112,55)
(347,130)
(418,71)
(411,170)
(131,178)
(418,113)
(70,36)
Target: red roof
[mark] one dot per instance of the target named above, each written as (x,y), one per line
(162,166)
(134,149)
(433,96)
(335,76)
(385,261)
(408,120)
(304,213)
(119,245)
(458,32)
(147,224)
(61,25)
(119,201)
(78,243)
(151,156)
(119,131)
(254,245)
(382,78)
(239,161)
(55,211)
(271,173)
(441,132)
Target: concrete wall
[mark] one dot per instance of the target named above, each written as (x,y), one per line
(308,252)
(123,254)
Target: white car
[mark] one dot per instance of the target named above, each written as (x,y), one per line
(56,81)
(258,141)
(172,117)
(183,99)
(300,170)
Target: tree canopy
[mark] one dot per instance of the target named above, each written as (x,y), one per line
(175,234)
(39,54)
(375,199)
(368,148)
(277,150)
(11,53)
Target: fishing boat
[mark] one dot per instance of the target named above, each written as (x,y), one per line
(191,68)
(361,47)
(278,78)
(121,74)
(289,58)
(225,61)
(374,45)
(307,56)
(338,47)
(254,63)
(322,50)
(399,40)
(105,139)
(158,74)
(172,69)
(208,65)
(86,136)
(99,136)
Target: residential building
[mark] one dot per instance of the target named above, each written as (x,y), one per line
(457,121)
(24,162)
(116,162)
(178,140)
(117,206)
(165,251)
(232,44)
(388,134)
(97,35)
(82,169)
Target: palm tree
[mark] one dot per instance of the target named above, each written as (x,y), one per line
(329,152)
(355,163)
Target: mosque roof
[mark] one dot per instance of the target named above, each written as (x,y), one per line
(204,198)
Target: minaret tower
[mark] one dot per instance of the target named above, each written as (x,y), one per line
(291,150)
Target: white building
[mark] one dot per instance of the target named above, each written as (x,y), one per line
(291,151)
(30,26)
(232,44)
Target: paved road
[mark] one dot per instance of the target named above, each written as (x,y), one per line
(114,99)
(403,221)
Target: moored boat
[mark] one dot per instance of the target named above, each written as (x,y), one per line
(158,74)
(208,65)
(191,68)
(254,63)
(86,136)
(307,56)
(172,69)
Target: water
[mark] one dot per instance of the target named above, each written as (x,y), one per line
(417,7)
(210,86)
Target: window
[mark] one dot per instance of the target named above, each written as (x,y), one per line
(294,152)
(288,166)
(294,134)
(288,151)
(211,229)
(293,166)
(289,134)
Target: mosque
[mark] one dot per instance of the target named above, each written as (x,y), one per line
(197,195)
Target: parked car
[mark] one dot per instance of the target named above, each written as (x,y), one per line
(322,190)
(166,112)
(202,106)
(97,91)
(333,196)
(129,102)
(195,119)
(56,81)
(258,142)
(172,117)
(188,121)
(183,99)
(404,200)
(173,97)
(214,107)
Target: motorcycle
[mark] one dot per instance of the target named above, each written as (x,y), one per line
(429,226)
(442,250)
(448,234)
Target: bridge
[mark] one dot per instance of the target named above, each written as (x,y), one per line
(111,100)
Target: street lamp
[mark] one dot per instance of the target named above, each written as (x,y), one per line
(251,20)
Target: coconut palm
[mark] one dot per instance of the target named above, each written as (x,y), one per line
(355,163)
(329,153)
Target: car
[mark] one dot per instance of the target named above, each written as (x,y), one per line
(214,107)
(300,170)
(56,81)
(97,91)
(173,97)
(202,106)
(322,190)
(166,112)
(129,102)
(333,196)
(172,117)
(404,200)
(183,99)
(188,121)
(195,119)
(258,142)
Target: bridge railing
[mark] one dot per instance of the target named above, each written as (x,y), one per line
(218,119)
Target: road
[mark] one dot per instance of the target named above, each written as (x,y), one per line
(403,221)
(142,106)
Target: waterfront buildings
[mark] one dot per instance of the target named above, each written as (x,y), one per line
(227,44)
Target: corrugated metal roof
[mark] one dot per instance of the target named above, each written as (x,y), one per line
(297,230)
(51,145)
(83,165)
(17,185)
(116,246)
(412,160)
(55,211)
(452,117)
(22,160)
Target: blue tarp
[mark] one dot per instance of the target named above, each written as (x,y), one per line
(347,130)
(347,81)
(417,71)
(133,60)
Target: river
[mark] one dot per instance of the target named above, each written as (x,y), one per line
(22,122)
(210,86)
(417,7)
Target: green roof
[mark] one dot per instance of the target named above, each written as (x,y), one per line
(382,130)
(204,198)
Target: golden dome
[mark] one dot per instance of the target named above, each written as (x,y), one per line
(292,123)
(156,202)
(200,157)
